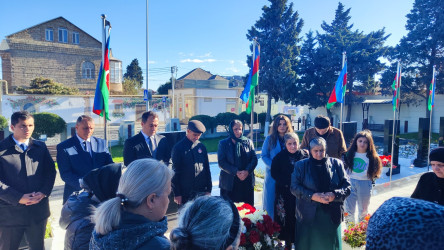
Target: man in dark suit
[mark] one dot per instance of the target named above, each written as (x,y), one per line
(27,175)
(189,157)
(147,144)
(80,154)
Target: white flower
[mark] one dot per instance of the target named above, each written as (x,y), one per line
(257,245)
(268,240)
(242,248)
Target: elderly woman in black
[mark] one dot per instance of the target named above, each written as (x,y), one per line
(237,161)
(282,167)
(320,185)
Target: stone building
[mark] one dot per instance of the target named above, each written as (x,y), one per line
(59,50)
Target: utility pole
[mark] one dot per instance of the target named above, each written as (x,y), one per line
(148,101)
(173,82)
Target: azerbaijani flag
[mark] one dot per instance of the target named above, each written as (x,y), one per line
(395,86)
(431,102)
(247,95)
(101,96)
(338,93)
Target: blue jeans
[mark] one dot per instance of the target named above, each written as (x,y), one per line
(360,194)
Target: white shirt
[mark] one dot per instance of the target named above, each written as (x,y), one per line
(360,167)
(26,143)
(88,143)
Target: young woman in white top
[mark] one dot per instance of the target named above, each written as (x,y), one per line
(363,166)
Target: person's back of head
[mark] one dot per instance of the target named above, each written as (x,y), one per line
(207,223)
(142,178)
(405,223)
(103,182)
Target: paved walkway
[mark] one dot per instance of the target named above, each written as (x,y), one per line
(402,187)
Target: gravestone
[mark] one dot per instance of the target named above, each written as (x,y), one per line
(388,132)
(349,130)
(423,143)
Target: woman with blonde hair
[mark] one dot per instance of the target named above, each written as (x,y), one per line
(273,144)
(135,218)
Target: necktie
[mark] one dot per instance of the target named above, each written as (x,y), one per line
(22,146)
(84,146)
(150,143)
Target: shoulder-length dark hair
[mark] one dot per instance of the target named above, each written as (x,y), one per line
(274,134)
(375,165)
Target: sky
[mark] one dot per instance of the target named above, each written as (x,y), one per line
(210,34)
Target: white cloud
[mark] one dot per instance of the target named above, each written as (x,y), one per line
(197,60)
(233,69)
(205,55)
(152,62)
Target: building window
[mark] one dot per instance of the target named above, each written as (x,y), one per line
(115,71)
(49,35)
(88,70)
(63,35)
(75,37)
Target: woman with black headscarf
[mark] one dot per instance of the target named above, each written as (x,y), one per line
(237,160)
(320,185)
(98,185)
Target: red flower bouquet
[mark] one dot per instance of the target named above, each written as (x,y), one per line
(258,229)
(386,160)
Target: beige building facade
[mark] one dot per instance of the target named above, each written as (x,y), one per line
(55,49)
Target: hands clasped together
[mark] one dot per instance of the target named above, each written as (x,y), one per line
(32,198)
(324,198)
(242,175)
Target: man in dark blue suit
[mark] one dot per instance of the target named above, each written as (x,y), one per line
(80,154)
(147,144)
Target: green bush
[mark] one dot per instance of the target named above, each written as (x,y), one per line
(3,122)
(48,123)
(246,118)
(208,121)
(42,86)
(225,118)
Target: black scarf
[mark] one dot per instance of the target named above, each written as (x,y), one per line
(321,175)
(238,141)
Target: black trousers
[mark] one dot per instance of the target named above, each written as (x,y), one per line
(10,237)
(242,191)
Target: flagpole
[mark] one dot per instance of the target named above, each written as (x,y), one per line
(103,27)
(431,112)
(343,97)
(252,103)
(148,101)
(397,88)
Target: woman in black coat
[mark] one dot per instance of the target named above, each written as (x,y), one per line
(237,160)
(430,186)
(99,185)
(282,167)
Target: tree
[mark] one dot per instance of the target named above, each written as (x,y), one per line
(209,122)
(48,123)
(163,89)
(133,71)
(3,122)
(225,118)
(363,51)
(418,51)
(130,87)
(277,31)
(47,86)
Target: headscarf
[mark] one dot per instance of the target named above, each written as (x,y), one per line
(103,181)
(238,141)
